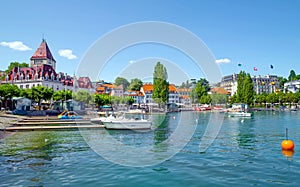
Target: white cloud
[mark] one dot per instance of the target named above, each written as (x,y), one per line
(131,61)
(67,53)
(16,45)
(223,61)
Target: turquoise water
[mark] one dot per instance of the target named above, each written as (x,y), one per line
(246,152)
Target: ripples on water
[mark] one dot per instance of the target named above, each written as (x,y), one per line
(246,152)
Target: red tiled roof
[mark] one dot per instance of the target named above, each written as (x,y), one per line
(172,88)
(149,87)
(219,90)
(42,52)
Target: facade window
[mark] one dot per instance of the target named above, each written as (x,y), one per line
(33,85)
(21,86)
(27,86)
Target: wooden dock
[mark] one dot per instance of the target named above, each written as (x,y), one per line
(65,127)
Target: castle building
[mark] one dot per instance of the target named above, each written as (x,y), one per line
(42,56)
(42,73)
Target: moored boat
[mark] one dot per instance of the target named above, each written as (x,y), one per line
(69,115)
(239,114)
(120,123)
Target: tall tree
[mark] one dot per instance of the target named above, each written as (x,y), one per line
(160,84)
(122,81)
(204,83)
(135,84)
(292,75)
(245,92)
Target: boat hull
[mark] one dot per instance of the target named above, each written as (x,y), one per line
(239,114)
(131,125)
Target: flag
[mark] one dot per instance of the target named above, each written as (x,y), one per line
(271,66)
(255,69)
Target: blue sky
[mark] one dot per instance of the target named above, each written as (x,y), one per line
(255,33)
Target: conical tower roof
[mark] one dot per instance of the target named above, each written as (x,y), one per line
(43,52)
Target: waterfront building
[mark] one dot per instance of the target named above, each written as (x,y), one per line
(138,96)
(147,90)
(184,95)
(41,72)
(110,89)
(292,86)
(265,84)
(229,83)
(261,84)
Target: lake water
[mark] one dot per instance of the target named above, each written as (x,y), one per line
(246,152)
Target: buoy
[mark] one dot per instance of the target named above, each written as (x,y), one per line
(287,144)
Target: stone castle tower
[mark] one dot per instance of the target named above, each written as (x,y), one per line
(42,56)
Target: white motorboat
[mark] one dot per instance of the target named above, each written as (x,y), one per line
(239,114)
(119,123)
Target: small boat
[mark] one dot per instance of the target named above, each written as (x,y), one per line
(69,115)
(239,114)
(121,123)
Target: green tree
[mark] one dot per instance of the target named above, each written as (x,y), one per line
(135,84)
(102,99)
(292,75)
(281,81)
(245,92)
(219,98)
(205,99)
(83,96)
(290,98)
(160,84)
(194,97)
(204,83)
(200,91)
(122,81)
(128,100)
(39,93)
(262,98)
(233,99)
(272,98)
(8,91)
(281,97)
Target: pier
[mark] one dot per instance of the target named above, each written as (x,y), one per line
(47,123)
